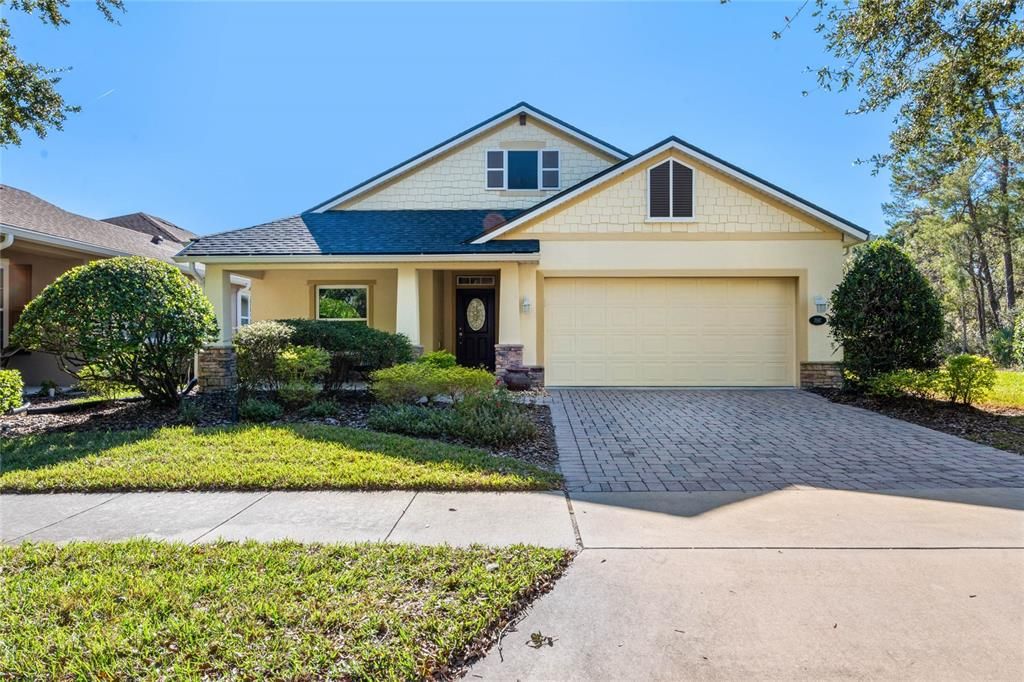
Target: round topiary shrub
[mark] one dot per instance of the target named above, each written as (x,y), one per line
(884,314)
(135,320)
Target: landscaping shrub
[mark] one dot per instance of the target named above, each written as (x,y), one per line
(413,381)
(11,387)
(438,358)
(138,320)
(884,314)
(1018,340)
(406,383)
(256,410)
(489,419)
(256,349)
(912,382)
(190,411)
(968,378)
(96,382)
(301,364)
(492,419)
(1000,346)
(320,409)
(353,345)
(297,393)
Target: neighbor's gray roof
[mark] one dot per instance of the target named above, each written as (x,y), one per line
(153,225)
(364,233)
(21,210)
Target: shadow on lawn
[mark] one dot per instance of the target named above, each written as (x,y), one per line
(255,441)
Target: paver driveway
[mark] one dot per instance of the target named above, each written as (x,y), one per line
(755,440)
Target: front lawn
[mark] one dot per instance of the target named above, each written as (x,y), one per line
(1009,389)
(249,457)
(145,609)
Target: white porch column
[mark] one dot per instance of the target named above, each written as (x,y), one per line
(217,287)
(508,306)
(407,308)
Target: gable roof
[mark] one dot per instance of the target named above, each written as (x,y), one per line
(153,225)
(746,177)
(364,233)
(25,215)
(479,128)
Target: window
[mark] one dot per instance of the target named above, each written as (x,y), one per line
(524,169)
(495,170)
(3,303)
(348,302)
(670,191)
(244,308)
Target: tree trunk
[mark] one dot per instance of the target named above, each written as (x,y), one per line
(1003,181)
(979,302)
(985,269)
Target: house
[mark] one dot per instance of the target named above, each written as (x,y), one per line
(525,241)
(40,241)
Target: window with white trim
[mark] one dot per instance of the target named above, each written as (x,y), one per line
(524,169)
(344,302)
(4,303)
(244,308)
(670,191)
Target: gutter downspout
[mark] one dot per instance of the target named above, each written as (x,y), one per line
(7,240)
(195,273)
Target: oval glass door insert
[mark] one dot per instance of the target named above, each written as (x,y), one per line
(476,314)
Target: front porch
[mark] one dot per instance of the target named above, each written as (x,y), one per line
(482,312)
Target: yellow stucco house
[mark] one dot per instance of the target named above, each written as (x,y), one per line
(524,241)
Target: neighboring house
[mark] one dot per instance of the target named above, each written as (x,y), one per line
(526,241)
(39,241)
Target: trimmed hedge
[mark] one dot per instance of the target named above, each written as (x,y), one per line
(962,378)
(413,381)
(354,346)
(11,388)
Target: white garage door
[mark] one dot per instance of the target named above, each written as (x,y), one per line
(669,331)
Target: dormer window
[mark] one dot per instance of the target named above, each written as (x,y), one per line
(524,169)
(670,191)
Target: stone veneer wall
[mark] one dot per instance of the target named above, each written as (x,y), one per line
(217,369)
(507,356)
(821,375)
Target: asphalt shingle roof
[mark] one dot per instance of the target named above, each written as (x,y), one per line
(153,225)
(365,233)
(21,209)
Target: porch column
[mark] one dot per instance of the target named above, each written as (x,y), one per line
(218,289)
(407,308)
(216,362)
(508,352)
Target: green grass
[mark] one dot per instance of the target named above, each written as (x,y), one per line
(1009,389)
(150,610)
(248,457)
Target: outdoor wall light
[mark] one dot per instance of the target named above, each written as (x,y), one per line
(820,304)
(525,304)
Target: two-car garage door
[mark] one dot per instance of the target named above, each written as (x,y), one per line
(669,331)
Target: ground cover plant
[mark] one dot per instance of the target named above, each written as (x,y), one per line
(150,610)
(255,457)
(11,387)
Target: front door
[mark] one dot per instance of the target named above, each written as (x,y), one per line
(475,327)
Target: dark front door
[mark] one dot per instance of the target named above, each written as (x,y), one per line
(474,327)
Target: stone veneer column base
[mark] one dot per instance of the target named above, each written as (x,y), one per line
(821,375)
(217,371)
(506,356)
(417,351)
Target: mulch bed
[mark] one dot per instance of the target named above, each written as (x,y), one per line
(217,409)
(997,426)
(116,415)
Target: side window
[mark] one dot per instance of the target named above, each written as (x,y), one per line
(550,171)
(244,308)
(496,170)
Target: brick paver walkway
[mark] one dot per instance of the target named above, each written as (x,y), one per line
(694,440)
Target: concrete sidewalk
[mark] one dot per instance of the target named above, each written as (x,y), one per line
(794,584)
(538,518)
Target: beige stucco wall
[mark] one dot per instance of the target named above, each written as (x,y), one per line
(457,179)
(282,294)
(722,206)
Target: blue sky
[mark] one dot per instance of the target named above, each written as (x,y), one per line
(223,115)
